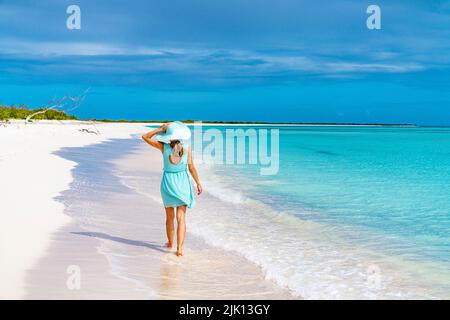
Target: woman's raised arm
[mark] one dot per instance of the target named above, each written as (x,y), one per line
(156,144)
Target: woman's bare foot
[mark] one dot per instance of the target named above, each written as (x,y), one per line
(169,244)
(179,252)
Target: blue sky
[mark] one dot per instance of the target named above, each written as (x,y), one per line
(249,60)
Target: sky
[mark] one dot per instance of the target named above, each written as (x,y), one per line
(239,60)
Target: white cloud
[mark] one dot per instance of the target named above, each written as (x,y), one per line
(49,49)
(345,67)
(209,63)
(321,65)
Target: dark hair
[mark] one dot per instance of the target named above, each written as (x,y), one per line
(174,143)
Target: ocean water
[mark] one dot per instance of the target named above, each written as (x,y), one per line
(354,212)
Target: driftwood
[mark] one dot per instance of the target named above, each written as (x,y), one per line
(89,131)
(66,103)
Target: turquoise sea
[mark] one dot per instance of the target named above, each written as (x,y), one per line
(354,212)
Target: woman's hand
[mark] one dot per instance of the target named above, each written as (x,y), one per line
(164,127)
(149,135)
(199,189)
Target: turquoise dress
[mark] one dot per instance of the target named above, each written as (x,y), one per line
(176,187)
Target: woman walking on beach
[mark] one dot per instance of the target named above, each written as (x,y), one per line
(172,139)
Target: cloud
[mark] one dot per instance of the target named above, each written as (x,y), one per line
(63,48)
(344,67)
(123,64)
(165,43)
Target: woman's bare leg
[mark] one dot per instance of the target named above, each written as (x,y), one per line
(170,228)
(181,231)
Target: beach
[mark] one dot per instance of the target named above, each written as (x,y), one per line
(67,206)
(32,176)
(320,134)
(82,216)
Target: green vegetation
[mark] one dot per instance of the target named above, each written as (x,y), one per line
(22,112)
(257,122)
(184,121)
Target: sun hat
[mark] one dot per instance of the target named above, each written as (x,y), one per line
(175,131)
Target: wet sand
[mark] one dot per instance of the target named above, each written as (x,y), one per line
(116,239)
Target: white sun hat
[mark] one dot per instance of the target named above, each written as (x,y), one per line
(175,131)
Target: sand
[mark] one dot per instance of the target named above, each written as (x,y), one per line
(31,176)
(70,204)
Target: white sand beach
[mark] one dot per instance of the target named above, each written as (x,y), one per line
(62,207)
(31,176)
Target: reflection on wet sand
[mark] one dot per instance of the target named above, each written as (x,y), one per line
(117,219)
(170,284)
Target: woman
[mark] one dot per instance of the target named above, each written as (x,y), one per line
(176,189)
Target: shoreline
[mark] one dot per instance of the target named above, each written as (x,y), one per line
(131,260)
(197,123)
(32,176)
(93,201)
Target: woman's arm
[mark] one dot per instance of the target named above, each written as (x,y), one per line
(148,137)
(193,171)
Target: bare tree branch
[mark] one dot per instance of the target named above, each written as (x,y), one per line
(89,131)
(66,103)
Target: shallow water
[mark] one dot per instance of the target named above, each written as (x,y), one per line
(354,212)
